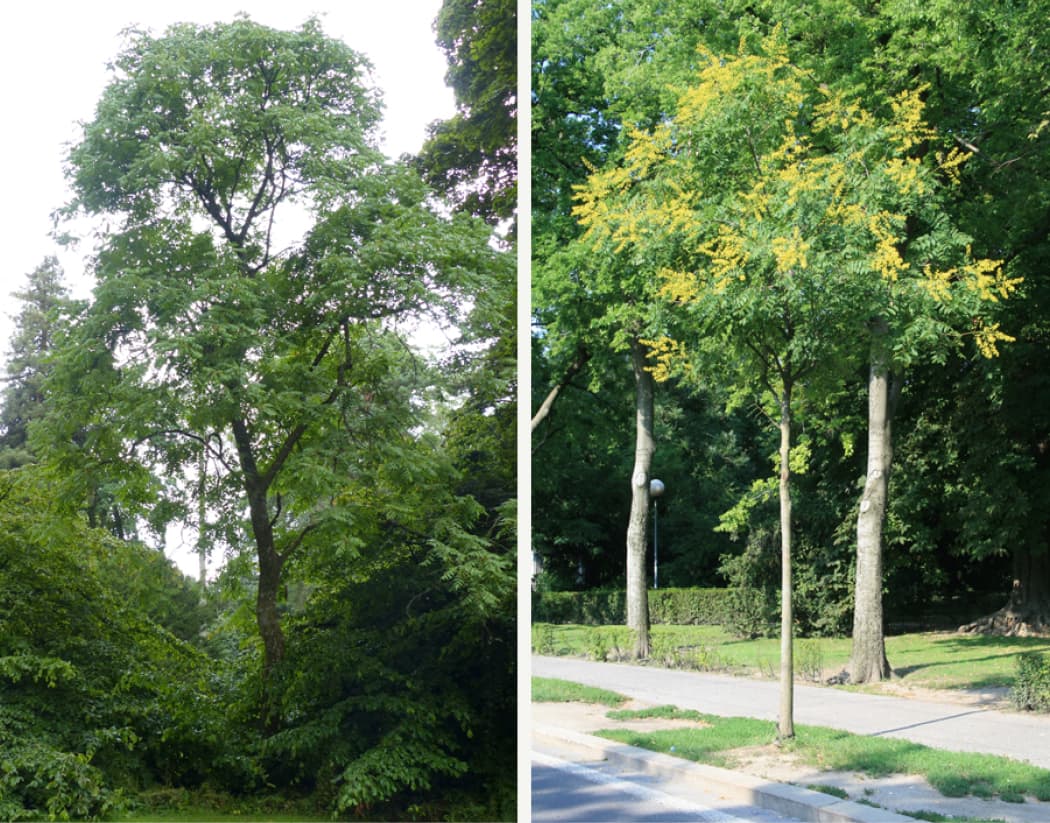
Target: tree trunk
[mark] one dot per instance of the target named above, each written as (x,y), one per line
(637,527)
(1027,612)
(868,658)
(270,565)
(786,726)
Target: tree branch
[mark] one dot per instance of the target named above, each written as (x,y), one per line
(582,356)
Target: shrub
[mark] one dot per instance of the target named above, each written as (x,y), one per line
(1031,691)
(680,607)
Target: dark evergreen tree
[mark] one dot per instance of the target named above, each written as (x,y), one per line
(45,302)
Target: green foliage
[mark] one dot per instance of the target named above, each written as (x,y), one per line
(39,781)
(45,304)
(472,157)
(415,699)
(1031,689)
(94,694)
(597,607)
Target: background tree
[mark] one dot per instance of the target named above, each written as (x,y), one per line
(44,301)
(473,156)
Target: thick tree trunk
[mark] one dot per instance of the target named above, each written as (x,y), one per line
(637,527)
(270,565)
(868,658)
(786,726)
(1027,612)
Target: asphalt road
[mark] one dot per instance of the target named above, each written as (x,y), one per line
(948,726)
(563,790)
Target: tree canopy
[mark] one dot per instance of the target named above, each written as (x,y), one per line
(252,369)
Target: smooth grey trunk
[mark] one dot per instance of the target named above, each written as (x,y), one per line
(637,527)
(786,725)
(868,662)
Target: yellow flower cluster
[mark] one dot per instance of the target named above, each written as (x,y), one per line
(838,112)
(950,164)
(908,127)
(669,355)
(987,336)
(679,286)
(905,173)
(790,251)
(939,283)
(986,277)
(728,257)
(886,260)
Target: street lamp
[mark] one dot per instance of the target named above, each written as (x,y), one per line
(656,488)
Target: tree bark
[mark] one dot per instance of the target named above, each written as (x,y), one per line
(582,356)
(868,660)
(786,726)
(270,561)
(1027,611)
(637,527)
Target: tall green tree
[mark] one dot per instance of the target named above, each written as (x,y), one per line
(472,157)
(45,301)
(288,367)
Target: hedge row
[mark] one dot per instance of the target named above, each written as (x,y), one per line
(681,607)
(1031,690)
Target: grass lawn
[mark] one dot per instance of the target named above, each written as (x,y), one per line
(202,815)
(939,660)
(203,806)
(552,690)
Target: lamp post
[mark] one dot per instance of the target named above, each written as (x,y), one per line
(656,488)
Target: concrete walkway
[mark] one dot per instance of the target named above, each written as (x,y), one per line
(951,726)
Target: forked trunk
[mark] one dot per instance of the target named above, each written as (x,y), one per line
(868,660)
(637,527)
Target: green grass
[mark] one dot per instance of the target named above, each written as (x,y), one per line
(203,815)
(202,806)
(663,712)
(834,791)
(940,660)
(937,817)
(552,690)
(953,774)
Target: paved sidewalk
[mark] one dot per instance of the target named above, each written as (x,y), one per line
(948,726)
(945,725)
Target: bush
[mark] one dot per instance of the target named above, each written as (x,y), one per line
(678,607)
(590,608)
(1031,691)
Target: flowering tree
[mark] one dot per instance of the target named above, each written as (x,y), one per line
(793,228)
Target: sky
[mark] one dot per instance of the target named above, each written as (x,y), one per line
(53,56)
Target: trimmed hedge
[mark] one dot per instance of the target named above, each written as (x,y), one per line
(1031,691)
(605,607)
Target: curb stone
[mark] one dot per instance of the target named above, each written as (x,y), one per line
(793,801)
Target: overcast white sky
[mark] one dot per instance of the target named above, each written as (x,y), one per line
(53,58)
